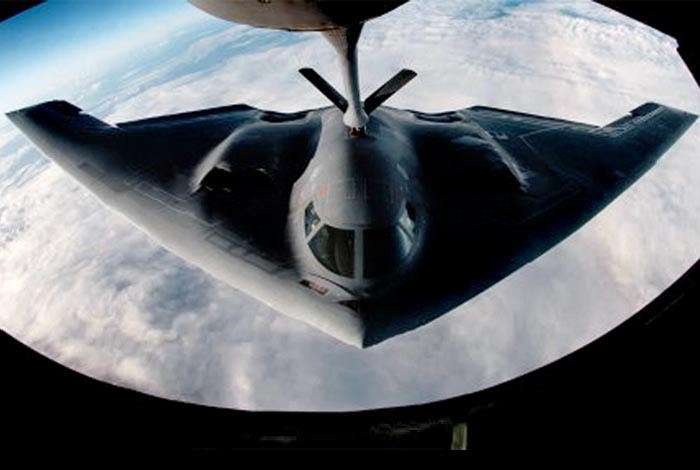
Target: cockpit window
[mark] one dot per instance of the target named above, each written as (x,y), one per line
(385,249)
(335,249)
(311,219)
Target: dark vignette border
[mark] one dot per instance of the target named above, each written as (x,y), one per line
(631,389)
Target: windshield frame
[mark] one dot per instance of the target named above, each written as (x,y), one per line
(403,234)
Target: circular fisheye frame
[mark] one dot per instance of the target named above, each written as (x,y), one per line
(550,146)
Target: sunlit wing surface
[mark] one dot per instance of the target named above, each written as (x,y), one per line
(230,190)
(146,171)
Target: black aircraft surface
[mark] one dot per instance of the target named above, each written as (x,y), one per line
(362,227)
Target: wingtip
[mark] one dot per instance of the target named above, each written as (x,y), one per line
(11,114)
(15,117)
(22,117)
(59,106)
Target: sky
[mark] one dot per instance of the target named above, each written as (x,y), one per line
(62,40)
(80,284)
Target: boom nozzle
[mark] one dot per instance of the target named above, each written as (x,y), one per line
(340,22)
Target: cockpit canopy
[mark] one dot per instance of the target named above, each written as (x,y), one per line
(361,252)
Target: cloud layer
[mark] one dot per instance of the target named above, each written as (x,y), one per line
(81,285)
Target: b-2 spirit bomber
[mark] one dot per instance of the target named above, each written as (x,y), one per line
(362,220)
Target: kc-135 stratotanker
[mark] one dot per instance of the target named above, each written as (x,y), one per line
(359,219)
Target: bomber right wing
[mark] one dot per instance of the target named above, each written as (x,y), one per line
(504,187)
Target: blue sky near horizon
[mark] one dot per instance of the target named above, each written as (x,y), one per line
(62,39)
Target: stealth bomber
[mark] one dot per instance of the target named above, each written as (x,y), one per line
(362,220)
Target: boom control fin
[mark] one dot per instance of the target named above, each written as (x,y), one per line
(372,102)
(385,91)
(325,88)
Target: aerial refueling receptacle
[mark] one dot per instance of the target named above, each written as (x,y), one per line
(340,22)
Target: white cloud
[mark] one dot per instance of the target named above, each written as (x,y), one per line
(80,284)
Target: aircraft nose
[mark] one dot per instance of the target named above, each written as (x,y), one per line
(359,202)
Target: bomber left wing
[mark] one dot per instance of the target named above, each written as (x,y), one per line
(202,185)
